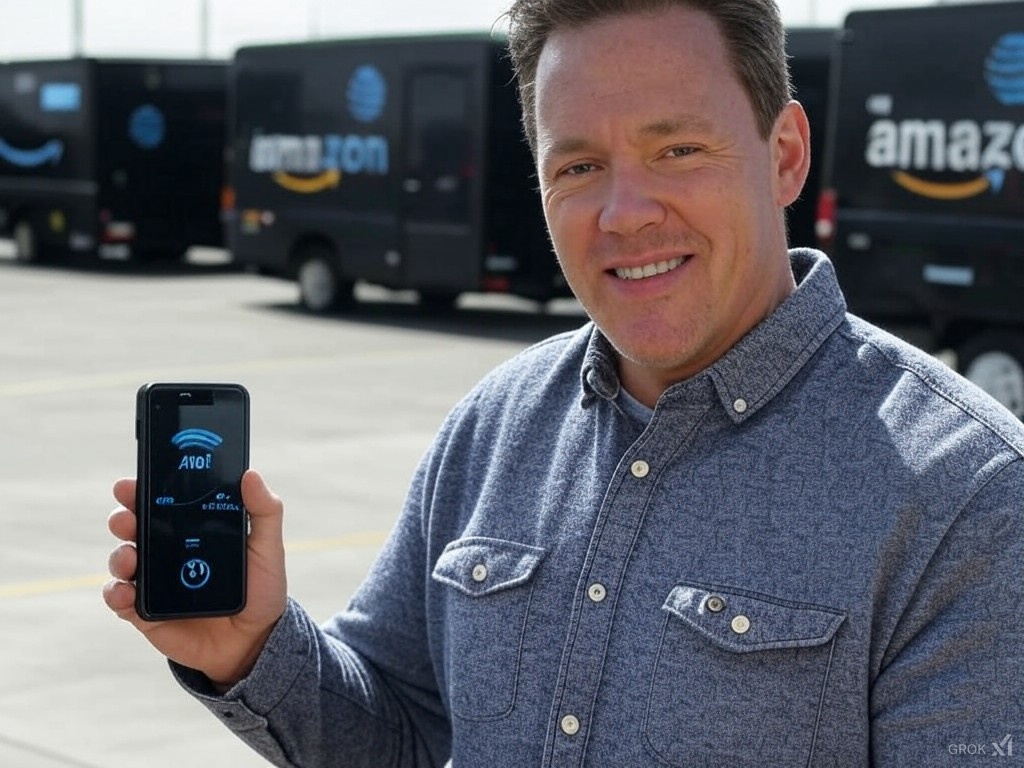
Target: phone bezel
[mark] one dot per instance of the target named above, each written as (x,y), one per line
(144,402)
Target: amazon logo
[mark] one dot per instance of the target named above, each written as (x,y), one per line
(50,152)
(308,164)
(978,154)
(959,159)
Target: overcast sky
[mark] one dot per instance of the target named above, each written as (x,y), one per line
(45,28)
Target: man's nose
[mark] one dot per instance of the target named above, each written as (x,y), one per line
(630,202)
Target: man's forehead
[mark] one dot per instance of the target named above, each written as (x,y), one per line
(677,37)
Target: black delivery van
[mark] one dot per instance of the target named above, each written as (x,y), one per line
(397,161)
(922,208)
(109,156)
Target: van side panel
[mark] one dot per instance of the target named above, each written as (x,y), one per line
(314,132)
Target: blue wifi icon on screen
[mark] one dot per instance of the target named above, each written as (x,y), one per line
(197,438)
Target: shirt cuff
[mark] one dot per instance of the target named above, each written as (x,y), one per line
(287,651)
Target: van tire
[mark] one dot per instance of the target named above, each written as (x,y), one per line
(994,360)
(320,288)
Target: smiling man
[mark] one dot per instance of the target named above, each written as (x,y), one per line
(725,523)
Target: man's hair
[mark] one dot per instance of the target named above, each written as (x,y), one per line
(752,29)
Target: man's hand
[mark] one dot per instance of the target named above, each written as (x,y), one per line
(225,649)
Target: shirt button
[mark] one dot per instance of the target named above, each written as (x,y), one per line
(597,592)
(640,469)
(716,604)
(570,725)
(740,406)
(740,624)
(479,573)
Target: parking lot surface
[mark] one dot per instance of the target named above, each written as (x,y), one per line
(342,409)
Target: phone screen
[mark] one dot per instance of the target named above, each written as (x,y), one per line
(193,450)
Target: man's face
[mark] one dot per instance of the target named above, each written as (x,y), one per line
(663,202)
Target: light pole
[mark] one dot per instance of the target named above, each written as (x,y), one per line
(204,29)
(77,22)
(313,15)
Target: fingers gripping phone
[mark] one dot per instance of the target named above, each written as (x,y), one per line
(193,447)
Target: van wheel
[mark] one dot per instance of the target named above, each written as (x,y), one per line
(320,289)
(994,360)
(26,249)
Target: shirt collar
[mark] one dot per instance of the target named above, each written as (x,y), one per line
(599,375)
(760,365)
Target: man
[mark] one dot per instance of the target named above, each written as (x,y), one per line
(727,524)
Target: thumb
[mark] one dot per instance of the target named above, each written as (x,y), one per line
(266,511)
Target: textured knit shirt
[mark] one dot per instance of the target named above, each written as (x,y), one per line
(809,554)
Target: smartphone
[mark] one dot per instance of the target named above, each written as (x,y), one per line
(193,447)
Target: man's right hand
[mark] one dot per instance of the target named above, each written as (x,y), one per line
(225,648)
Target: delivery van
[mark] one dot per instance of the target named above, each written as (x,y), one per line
(398,162)
(111,157)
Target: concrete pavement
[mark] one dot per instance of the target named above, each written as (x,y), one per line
(342,408)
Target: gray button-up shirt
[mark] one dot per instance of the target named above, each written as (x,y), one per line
(807,555)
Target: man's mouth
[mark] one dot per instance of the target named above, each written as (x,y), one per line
(649,270)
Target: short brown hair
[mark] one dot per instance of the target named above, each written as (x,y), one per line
(752,29)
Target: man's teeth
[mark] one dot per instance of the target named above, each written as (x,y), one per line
(648,270)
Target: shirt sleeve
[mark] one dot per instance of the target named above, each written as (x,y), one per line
(950,685)
(359,690)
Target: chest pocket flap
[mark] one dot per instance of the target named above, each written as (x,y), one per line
(741,621)
(478,566)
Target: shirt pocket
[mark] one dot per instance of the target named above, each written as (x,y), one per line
(738,678)
(491,586)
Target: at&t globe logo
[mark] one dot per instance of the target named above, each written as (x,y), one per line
(367,93)
(1004,69)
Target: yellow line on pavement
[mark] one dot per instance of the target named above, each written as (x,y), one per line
(53,586)
(30,588)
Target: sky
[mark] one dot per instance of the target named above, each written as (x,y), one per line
(176,28)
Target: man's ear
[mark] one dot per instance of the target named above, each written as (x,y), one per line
(791,153)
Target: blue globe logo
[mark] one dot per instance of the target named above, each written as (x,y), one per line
(1004,69)
(147,126)
(367,93)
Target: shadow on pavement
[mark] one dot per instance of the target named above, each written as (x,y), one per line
(481,316)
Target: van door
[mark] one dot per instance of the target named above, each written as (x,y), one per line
(440,256)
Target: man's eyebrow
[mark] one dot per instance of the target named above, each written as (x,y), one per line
(567,146)
(670,126)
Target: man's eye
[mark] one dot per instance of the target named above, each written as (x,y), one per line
(681,151)
(579,169)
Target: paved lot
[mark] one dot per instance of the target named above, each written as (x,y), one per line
(342,409)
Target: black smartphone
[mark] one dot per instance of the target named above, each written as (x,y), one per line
(193,447)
